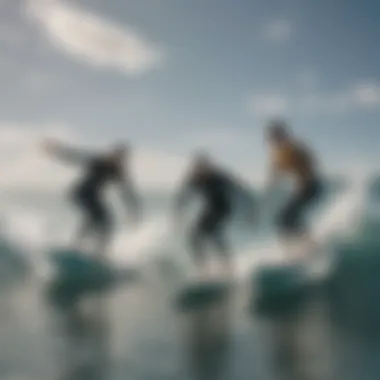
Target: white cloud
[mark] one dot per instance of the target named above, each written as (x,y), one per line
(278,30)
(269,104)
(92,39)
(367,94)
(362,96)
(23,166)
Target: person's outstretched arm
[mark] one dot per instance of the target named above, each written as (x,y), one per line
(130,196)
(65,153)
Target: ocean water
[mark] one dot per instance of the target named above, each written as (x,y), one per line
(134,330)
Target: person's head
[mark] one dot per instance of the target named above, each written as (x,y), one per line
(202,164)
(118,153)
(278,132)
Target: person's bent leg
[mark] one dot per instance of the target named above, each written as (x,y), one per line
(104,239)
(309,197)
(224,252)
(197,247)
(219,238)
(82,233)
(103,227)
(288,226)
(292,226)
(87,224)
(213,225)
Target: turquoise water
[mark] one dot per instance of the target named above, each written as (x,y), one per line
(135,332)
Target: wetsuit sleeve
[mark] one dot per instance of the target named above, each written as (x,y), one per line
(71,155)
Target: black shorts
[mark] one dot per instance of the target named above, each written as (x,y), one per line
(93,207)
(290,219)
(211,222)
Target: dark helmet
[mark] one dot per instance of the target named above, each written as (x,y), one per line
(202,158)
(278,130)
(118,152)
(120,149)
(202,162)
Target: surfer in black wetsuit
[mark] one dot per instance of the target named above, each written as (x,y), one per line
(100,171)
(219,191)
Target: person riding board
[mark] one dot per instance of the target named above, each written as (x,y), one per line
(218,190)
(292,158)
(100,171)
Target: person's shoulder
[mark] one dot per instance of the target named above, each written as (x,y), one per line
(101,162)
(222,174)
(96,159)
(218,171)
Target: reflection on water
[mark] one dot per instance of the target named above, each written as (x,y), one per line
(138,334)
(301,346)
(85,332)
(208,343)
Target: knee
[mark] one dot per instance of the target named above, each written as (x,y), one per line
(104,222)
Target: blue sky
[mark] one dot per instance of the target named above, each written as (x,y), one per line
(171,75)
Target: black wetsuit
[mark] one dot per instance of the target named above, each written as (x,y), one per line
(290,220)
(88,193)
(217,191)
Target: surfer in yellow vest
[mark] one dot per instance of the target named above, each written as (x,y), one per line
(292,158)
(100,170)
